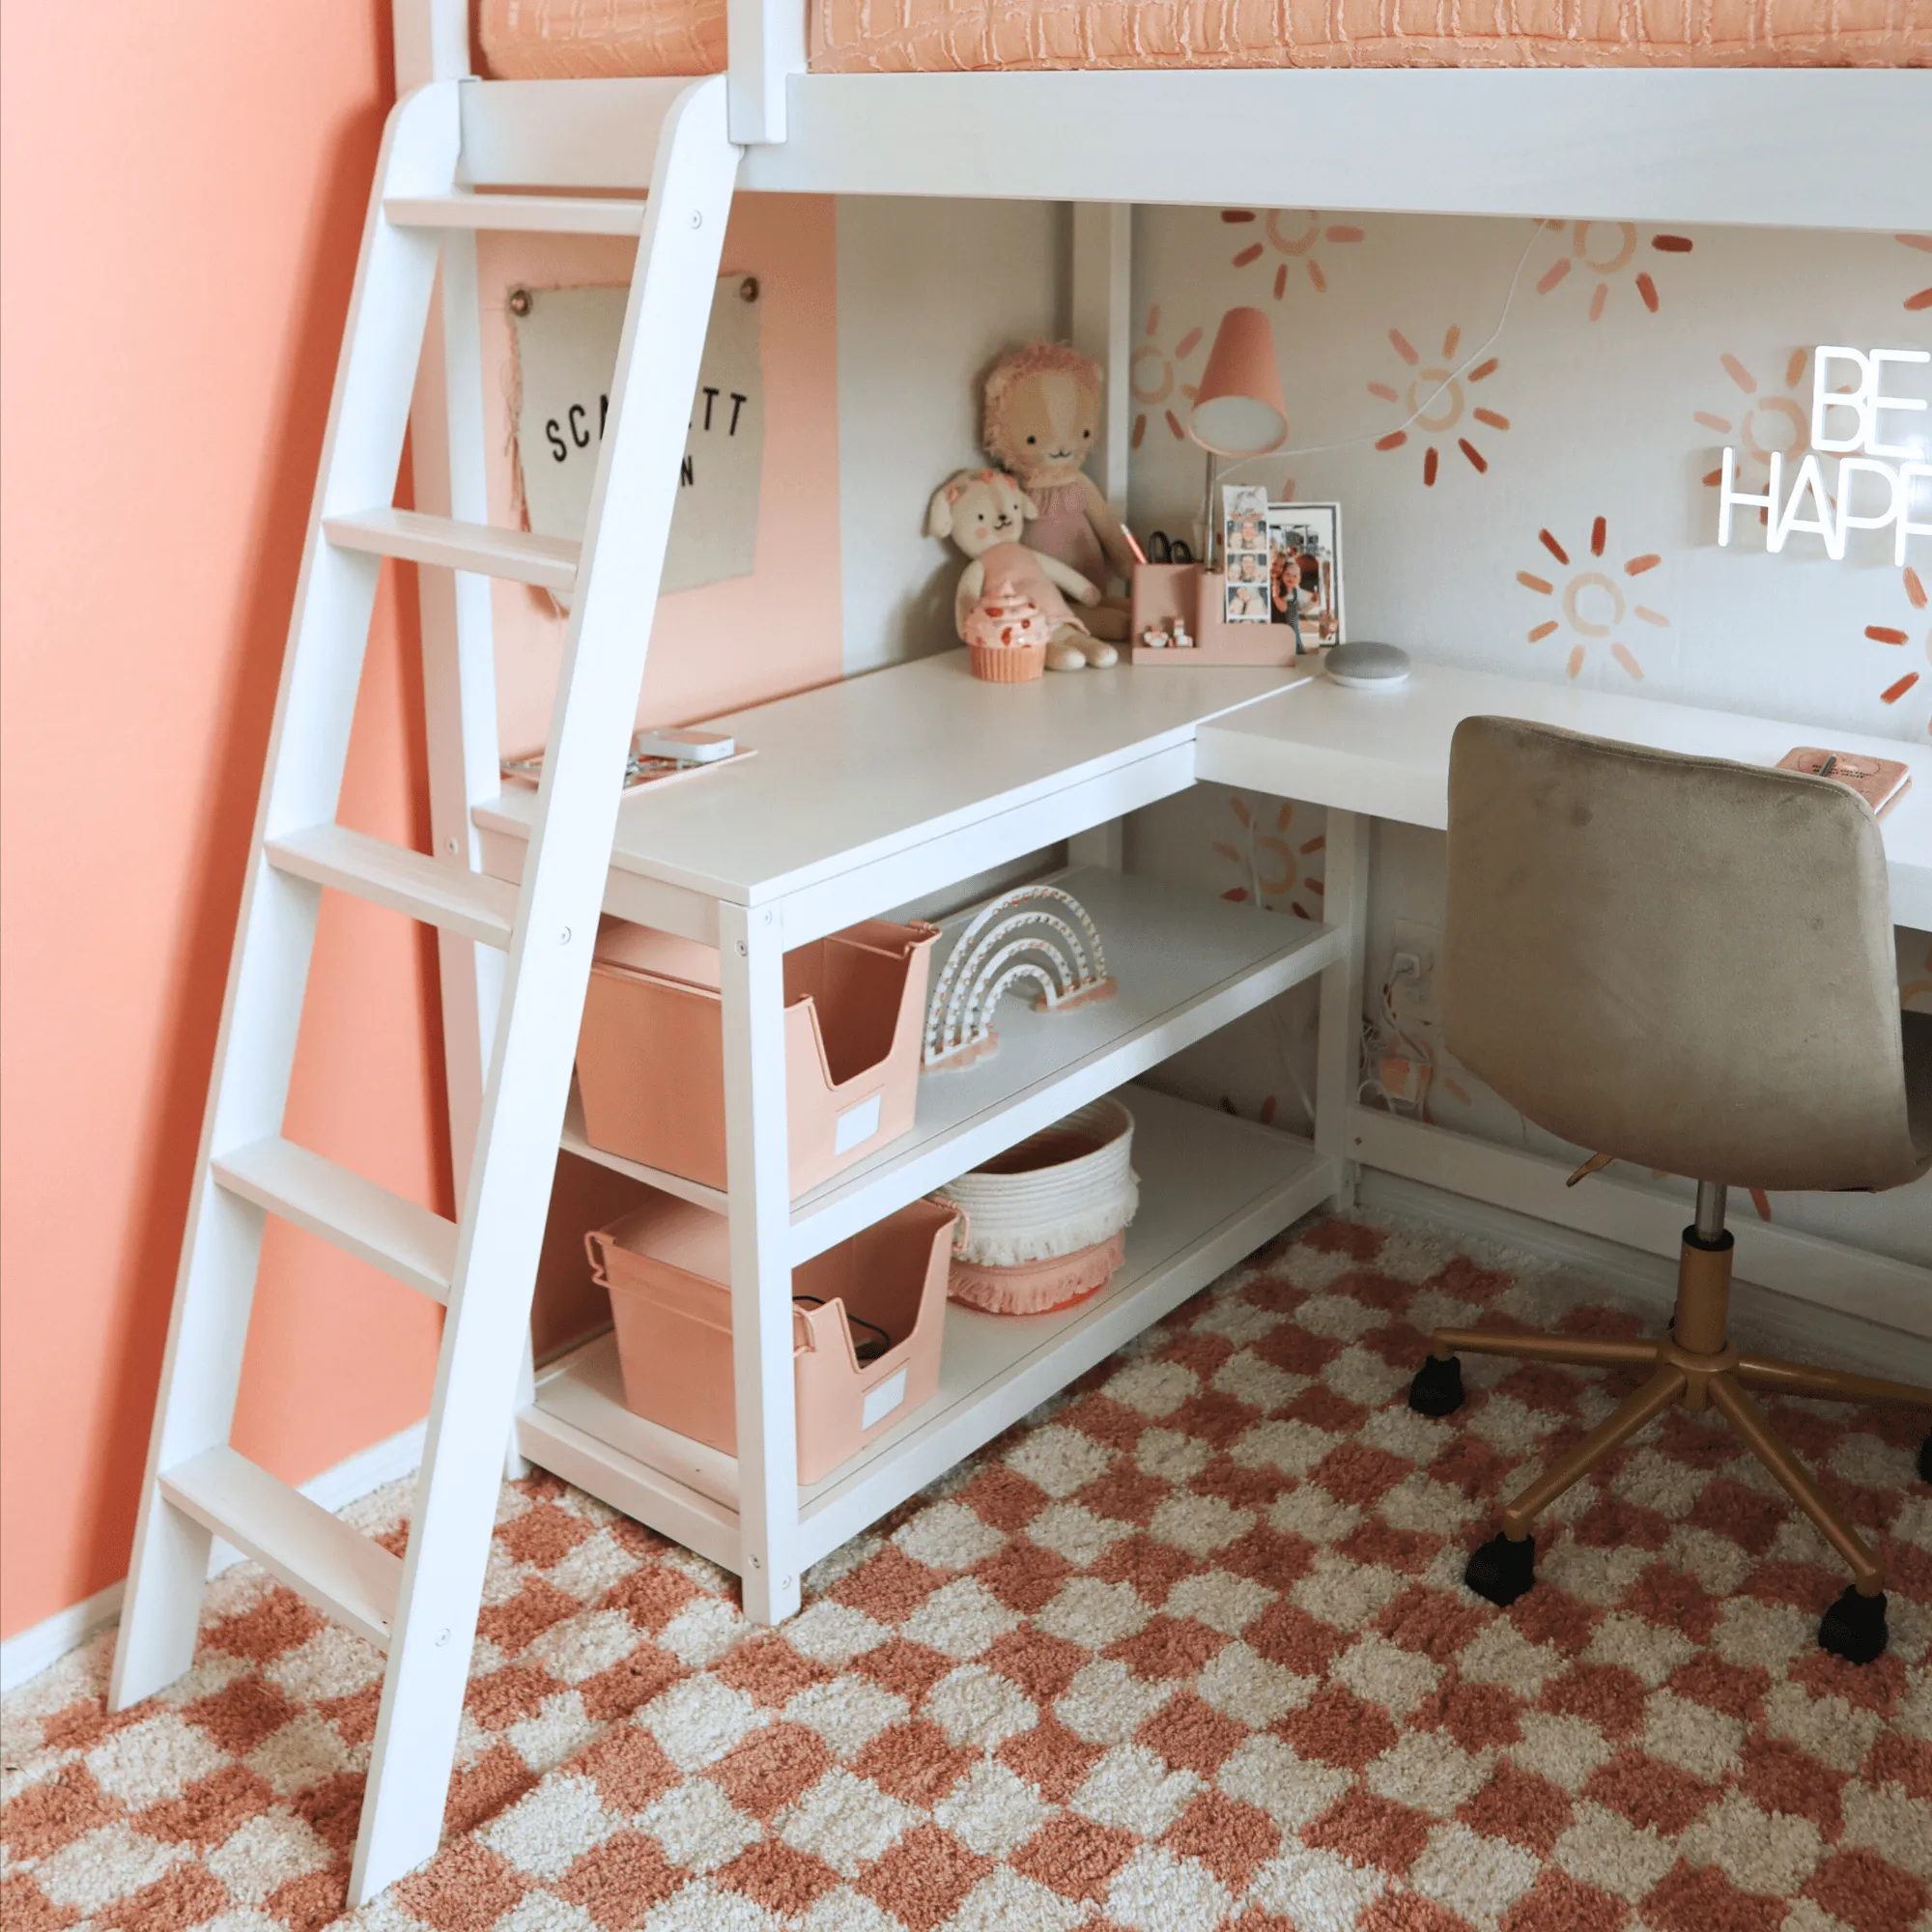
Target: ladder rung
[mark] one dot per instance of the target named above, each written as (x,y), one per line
(450,896)
(338,1569)
(549,563)
(362,1219)
(525,214)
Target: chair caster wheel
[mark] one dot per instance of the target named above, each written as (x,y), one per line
(1438,1387)
(1925,1461)
(1854,1628)
(1502,1570)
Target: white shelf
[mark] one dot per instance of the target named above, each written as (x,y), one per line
(1186,963)
(1212,1189)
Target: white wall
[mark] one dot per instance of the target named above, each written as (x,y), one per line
(929,294)
(1619,417)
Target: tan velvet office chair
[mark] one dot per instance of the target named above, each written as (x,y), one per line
(1685,964)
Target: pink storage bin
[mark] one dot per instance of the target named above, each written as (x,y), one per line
(650,1055)
(668,1268)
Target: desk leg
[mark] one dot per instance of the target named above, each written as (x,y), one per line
(1103,845)
(1339,1043)
(759,1167)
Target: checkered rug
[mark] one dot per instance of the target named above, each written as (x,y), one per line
(1187,1650)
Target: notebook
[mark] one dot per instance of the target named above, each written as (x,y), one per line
(1876,780)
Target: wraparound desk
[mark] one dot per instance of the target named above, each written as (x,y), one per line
(1385,754)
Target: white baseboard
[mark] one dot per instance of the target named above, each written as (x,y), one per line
(29,1652)
(1780,1324)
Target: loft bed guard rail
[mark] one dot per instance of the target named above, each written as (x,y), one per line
(767,46)
(1774,144)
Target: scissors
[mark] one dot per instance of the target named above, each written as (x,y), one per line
(1163,549)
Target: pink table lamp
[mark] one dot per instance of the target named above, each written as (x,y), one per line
(1237,411)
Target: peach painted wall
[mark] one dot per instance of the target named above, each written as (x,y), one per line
(181,192)
(751,638)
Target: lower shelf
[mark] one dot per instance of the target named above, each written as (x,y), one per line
(1212,1189)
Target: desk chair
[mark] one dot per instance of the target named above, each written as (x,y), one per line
(1685,964)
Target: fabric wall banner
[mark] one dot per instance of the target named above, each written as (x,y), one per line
(566,354)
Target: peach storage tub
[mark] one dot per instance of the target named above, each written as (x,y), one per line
(668,1268)
(650,1055)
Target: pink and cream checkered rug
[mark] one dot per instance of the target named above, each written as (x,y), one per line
(1188,1650)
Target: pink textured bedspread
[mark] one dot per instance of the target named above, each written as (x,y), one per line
(568,39)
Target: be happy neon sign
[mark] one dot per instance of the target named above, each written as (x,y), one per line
(1846,423)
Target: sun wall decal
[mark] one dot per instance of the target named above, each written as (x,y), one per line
(1774,424)
(1291,234)
(1592,600)
(1271,864)
(1900,636)
(1923,298)
(1446,410)
(1607,249)
(1154,381)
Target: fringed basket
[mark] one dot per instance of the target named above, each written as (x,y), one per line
(1046,1220)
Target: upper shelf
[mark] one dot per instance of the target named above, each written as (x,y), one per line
(889,765)
(1632,144)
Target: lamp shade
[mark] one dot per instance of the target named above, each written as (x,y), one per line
(1239,411)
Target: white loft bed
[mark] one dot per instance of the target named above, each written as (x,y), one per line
(1684,146)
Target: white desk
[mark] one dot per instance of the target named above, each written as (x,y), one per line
(1385,754)
(861,796)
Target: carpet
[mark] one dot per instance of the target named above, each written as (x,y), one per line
(1187,1649)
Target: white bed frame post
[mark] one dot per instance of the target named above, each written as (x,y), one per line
(750,944)
(766,43)
(1102,302)
(448,443)
(448,449)
(1344,905)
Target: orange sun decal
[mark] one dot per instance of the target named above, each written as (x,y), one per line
(1153,378)
(1592,600)
(1270,864)
(1606,249)
(1292,234)
(1900,636)
(1446,409)
(1923,297)
(1768,425)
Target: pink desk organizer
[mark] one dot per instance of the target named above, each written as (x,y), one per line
(667,1267)
(1165,591)
(650,1053)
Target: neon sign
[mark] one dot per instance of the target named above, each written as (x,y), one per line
(1855,414)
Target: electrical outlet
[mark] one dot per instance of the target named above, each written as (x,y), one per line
(1417,993)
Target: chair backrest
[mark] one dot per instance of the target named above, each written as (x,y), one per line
(1681,962)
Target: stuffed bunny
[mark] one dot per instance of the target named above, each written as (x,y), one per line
(983,511)
(1042,414)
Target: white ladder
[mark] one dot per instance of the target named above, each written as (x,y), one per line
(421,1610)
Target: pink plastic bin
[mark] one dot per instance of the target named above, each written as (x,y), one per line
(668,1268)
(650,1055)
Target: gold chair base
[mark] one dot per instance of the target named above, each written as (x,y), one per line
(1694,1364)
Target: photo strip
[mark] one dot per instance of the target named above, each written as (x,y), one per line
(1245,546)
(1304,573)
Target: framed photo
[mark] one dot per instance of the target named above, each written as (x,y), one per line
(1304,573)
(1244,545)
